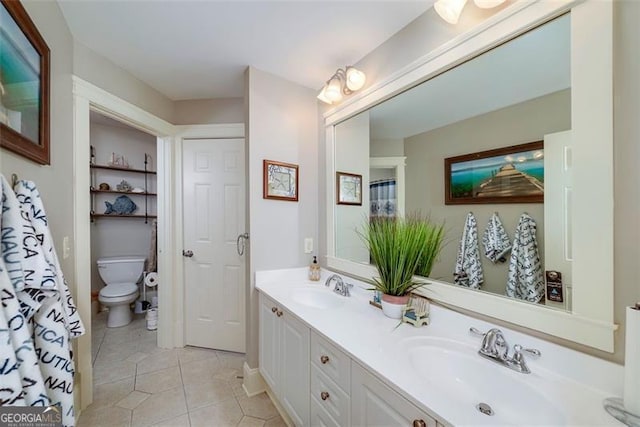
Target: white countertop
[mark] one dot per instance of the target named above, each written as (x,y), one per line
(574,382)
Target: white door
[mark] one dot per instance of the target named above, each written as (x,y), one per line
(214,217)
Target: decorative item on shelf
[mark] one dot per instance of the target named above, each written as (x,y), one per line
(104,186)
(401,248)
(416,312)
(92,158)
(124,186)
(122,206)
(118,160)
(137,190)
(314,270)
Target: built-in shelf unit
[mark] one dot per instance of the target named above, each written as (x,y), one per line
(94,191)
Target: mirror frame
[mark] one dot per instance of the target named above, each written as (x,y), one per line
(590,321)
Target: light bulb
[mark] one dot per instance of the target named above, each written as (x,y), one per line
(333,90)
(488,4)
(322,96)
(355,79)
(449,10)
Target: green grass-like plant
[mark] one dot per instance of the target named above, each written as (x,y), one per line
(401,248)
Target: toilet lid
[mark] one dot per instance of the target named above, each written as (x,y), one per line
(118,290)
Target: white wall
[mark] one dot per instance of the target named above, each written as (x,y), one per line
(626,156)
(282,126)
(209,111)
(121,236)
(352,156)
(386,147)
(98,70)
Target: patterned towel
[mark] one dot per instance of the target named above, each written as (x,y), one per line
(51,309)
(495,240)
(20,377)
(468,271)
(525,280)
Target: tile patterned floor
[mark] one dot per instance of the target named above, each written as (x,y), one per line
(138,384)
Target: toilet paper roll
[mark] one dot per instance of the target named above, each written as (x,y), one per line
(151,280)
(632,362)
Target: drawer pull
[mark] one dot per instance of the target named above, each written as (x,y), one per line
(274,309)
(324,359)
(325,395)
(419,423)
(279,313)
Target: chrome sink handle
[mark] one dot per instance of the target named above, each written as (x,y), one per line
(518,362)
(335,277)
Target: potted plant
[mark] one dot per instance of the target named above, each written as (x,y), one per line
(401,248)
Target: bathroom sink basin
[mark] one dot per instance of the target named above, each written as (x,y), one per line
(317,298)
(457,371)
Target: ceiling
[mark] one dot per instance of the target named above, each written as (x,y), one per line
(200,49)
(530,66)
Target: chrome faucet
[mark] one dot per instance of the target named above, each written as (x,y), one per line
(495,348)
(341,287)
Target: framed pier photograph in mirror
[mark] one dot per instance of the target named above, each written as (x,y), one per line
(280,181)
(512,174)
(24,85)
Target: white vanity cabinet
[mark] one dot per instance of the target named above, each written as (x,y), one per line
(373,403)
(284,358)
(330,384)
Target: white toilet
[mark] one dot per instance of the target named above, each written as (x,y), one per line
(120,274)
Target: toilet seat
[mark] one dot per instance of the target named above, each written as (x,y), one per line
(117,290)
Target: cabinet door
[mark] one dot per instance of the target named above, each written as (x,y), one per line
(373,403)
(294,374)
(269,342)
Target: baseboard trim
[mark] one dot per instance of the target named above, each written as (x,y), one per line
(283,414)
(252,382)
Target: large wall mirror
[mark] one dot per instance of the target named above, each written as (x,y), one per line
(524,88)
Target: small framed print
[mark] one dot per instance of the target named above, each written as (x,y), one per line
(349,188)
(280,181)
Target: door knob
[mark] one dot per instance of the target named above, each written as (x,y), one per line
(324,395)
(187,254)
(324,359)
(419,423)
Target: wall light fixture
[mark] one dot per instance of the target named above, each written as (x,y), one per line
(450,10)
(343,82)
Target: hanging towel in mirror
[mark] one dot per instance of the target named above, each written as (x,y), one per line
(495,240)
(468,271)
(526,279)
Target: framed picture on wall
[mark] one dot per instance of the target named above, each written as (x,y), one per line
(280,181)
(512,174)
(348,188)
(24,85)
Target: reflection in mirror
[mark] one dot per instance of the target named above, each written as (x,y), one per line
(516,93)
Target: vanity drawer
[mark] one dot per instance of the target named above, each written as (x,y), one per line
(331,361)
(327,395)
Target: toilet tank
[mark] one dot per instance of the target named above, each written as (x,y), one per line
(120,269)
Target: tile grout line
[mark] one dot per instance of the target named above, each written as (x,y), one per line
(184,392)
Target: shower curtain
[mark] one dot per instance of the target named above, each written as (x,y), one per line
(383,198)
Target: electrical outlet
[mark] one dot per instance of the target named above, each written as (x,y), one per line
(308,245)
(65,247)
